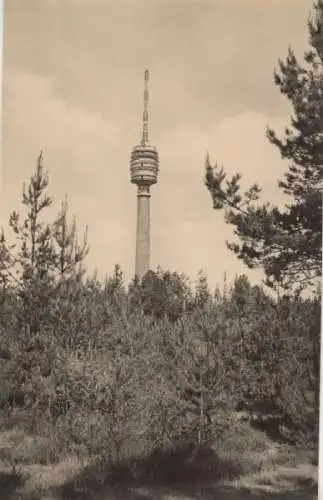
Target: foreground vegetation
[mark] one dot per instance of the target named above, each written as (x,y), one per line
(158,383)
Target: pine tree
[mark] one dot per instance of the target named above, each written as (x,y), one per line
(115,283)
(287,243)
(178,294)
(202,291)
(34,258)
(69,253)
(42,283)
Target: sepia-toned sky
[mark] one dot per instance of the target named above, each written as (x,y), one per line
(73,86)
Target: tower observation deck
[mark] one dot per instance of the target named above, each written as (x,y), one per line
(144,166)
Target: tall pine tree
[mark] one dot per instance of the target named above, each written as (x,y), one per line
(287,243)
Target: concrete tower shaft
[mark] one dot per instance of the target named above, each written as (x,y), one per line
(143,231)
(144,164)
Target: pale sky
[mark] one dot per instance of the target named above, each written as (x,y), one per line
(73,85)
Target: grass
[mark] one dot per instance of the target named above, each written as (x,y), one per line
(242,464)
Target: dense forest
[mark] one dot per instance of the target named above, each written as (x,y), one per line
(124,372)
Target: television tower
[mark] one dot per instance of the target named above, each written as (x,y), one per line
(144,164)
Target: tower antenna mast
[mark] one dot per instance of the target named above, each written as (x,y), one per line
(144,139)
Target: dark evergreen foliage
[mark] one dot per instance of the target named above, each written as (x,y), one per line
(98,368)
(286,243)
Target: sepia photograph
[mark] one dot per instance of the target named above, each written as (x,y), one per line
(161,249)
